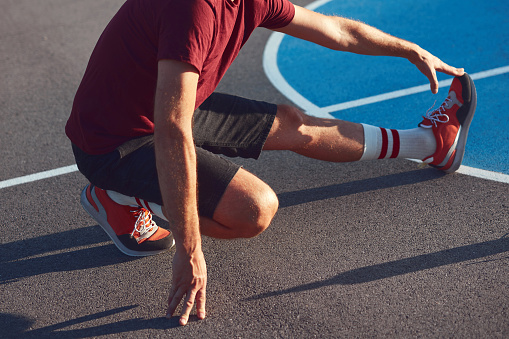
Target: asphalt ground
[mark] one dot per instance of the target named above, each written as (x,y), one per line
(372,249)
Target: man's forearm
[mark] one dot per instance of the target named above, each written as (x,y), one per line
(347,35)
(176,165)
(360,38)
(175,150)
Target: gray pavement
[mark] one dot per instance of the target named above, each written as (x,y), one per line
(375,249)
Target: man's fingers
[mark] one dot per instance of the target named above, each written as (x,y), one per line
(458,71)
(200,303)
(433,82)
(190,278)
(429,65)
(173,301)
(188,305)
(445,68)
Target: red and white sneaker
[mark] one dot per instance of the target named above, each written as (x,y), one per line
(130,227)
(450,124)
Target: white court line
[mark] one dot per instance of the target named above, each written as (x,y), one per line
(274,75)
(408,91)
(479,173)
(38,176)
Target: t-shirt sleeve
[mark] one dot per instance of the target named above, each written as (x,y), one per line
(279,14)
(186,31)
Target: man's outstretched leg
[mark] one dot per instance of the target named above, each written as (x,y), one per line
(439,140)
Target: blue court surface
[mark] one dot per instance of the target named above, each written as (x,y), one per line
(391,92)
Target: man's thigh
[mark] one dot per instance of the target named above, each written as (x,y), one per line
(232,125)
(135,174)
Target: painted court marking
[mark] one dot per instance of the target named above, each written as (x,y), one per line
(276,78)
(38,176)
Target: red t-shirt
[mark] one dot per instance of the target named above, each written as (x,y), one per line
(115,100)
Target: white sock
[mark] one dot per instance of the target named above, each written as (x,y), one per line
(132,201)
(382,143)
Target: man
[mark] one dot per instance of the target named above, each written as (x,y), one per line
(146,126)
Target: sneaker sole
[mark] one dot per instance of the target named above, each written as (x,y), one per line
(462,139)
(101,219)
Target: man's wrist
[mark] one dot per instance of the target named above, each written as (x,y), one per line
(414,53)
(188,245)
(187,239)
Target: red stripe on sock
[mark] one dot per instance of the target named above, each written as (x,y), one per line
(138,202)
(395,143)
(144,204)
(385,144)
(147,206)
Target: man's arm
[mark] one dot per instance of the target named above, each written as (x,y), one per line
(176,167)
(343,34)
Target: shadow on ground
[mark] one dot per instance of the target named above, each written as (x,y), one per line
(360,186)
(36,256)
(403,266)
(17,326)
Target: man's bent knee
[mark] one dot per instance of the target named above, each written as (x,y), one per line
(247,206)
(262,212)
(290,117)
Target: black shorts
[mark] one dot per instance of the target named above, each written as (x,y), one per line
(223,124)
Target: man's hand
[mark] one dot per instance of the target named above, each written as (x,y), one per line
(429,64)
(189,280)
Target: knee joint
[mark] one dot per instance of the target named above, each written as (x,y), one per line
(291,116)
(263,210)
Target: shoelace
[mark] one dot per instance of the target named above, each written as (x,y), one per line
(144,223)
(436,115)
